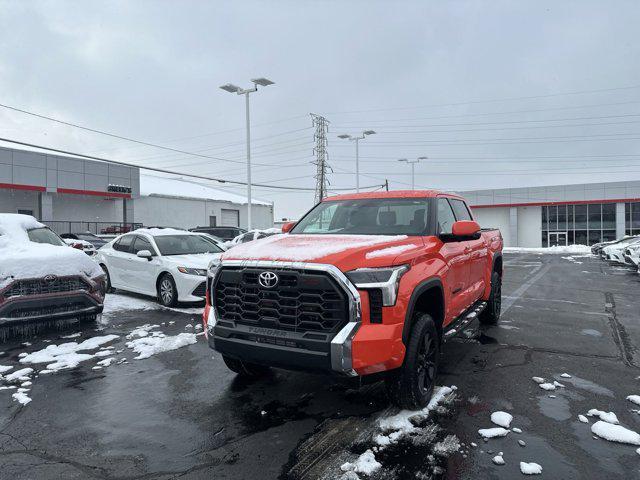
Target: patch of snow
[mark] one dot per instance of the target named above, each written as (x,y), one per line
(66,355)
(522,443)
(516,430)
(22,398)
(104,353)
(106,362)
(498,459)
(558,384)
(494,432)
(142,331)
(22,375)
(73,335)
(538,379)
(530,468)
(26,384)
(547,386)
(502,419)
(608,417)
(560,249)
(114,303)
(583,419)
(145,347)
(565,375)
(632,398)
(366,463)
(447,446)
(5,368)
(615,433)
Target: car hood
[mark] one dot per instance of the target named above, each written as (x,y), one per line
(344,251)
(200,260)
(36,260)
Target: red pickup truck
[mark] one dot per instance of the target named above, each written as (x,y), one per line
(363,285)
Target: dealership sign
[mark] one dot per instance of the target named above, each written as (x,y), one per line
(118,189)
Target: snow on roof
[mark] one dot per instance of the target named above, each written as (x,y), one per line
(159,232)
(15,225)
(184,188)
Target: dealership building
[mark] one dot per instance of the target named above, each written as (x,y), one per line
(72,194)
(560,214)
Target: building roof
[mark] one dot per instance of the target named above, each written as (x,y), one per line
(178,187)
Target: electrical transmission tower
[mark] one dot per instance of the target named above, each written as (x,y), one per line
(321,125)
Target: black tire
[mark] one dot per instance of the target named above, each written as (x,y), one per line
(109,288)
(411,386)
(245,369)
(167,291)
(491,314)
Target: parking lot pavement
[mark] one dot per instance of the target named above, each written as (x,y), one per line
(182,414)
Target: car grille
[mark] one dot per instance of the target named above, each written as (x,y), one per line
(302,300)
(39,286)
(200,290)
(28,312)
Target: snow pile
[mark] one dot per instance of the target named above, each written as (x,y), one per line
(530,468)
(114,303)
(615,433)
(547,386)
(65,355)
(608,417)
(305,247)
(498,459)
(583,419)
(538,379)
(560,249)
(22,397)
(5,368)
(565,375)
(147,346)
(21,375)
(632,398)
(366,463)
(502,419)
(494,432)
(383,252)
(142,331)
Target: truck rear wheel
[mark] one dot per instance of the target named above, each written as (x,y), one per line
(491,314)
(411,386)
(245,369)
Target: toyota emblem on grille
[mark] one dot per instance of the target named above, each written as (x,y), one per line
(268,279)
(50,278)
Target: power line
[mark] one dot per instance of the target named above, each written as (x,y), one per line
(154,169)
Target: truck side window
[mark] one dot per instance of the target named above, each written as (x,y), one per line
(460,209)
(445,216)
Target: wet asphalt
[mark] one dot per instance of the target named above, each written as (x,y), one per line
(182,414)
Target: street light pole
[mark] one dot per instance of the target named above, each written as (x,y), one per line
(413,171)
(357,140)
(231,88)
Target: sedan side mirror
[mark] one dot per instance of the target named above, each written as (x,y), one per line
(461,231)
(145,254)
(286,228)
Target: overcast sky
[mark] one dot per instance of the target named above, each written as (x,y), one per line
(439,79)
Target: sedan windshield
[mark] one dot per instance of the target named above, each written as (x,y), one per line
(45,235)
(379,216)
(184,245)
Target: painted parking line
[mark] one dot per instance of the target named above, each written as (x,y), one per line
(536,274)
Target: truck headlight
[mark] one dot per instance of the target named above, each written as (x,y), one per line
(193,271)
(387,279)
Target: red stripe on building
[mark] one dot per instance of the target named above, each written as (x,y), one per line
(568,202)
(32,188)
(94,193)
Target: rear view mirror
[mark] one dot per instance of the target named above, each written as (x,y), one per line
(144,254)
(286,228)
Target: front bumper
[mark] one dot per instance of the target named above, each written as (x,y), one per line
(48,307)
(191,288)
(309,350)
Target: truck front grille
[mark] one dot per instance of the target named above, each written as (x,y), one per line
(301,300)
(44,286)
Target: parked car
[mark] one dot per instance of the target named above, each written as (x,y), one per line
(218,241)
(225,233)
(95,240)
(42,279)
(596,248)
(631,255)
(166,263)
(615,251)
(83,245)
(364,284)
(251,236)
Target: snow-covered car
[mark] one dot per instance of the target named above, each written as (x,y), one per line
(631,255)
(168,264)
(42,279)
(252,235)
(596,248)
(95,240)
(83,245)
(615,252)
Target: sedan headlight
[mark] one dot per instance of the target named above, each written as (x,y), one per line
(386,279)
(193,271)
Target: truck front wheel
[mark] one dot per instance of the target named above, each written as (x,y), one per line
(245,369)
(411,386)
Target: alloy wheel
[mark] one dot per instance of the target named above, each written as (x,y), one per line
(426,364)
(166,291)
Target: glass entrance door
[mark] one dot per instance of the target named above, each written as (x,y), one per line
(557,238)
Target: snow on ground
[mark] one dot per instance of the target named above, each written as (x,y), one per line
(632,398)
(583,419)
(547,386)
(530,468)
(498,459)
(366,463)
(494,432)
(502,419)
(565,375)
(22,375)
(608,417)
(615,433)
(538,379)
(5,368)
(145,347)
(21,397)
(114,303)
(65,355)
(566,250)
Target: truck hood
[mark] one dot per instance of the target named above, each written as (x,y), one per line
(343,251)
(200,260)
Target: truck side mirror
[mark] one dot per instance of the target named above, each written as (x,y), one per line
(465,228)
(286,228)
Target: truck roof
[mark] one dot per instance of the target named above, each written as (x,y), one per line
(393,194)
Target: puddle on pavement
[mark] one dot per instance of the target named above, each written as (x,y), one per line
(587,385)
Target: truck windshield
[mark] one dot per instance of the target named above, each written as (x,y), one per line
(184,245)
(377,216)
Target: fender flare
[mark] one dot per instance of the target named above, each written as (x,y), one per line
(425,285)
(496,256)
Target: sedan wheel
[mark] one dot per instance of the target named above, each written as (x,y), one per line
(167,292)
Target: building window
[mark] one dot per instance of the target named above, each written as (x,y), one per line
(632,218)
(585,224)
(213,221)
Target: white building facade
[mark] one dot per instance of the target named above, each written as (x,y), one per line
(561,214)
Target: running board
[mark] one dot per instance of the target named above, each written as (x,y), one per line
(460,323)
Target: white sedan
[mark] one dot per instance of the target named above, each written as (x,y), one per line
(168,264)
